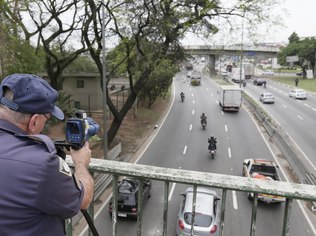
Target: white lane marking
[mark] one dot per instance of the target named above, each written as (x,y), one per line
(229,153)
(299,117)
(192,94)
(235,204)
(305,104)
(284,106)
(226,129)
(171,191)
(193,112)
(193,102)
(190,128)
(314,109)
(222,113)
(185,150)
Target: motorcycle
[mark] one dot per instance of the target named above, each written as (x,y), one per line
(203,123)
(212,150)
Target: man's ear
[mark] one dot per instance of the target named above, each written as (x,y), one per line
(31,126)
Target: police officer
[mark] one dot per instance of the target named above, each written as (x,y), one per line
(38,189)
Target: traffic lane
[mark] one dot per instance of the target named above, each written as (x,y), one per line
(232,123)
(298,119)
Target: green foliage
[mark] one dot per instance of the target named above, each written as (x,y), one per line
(82,64)
(22,58)
(305,49)
(158,83)
(294,38)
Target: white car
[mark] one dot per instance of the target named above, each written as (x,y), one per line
(298,94)
(268,72)
(267,98)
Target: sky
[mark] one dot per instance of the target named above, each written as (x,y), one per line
(297,16)
(301,19)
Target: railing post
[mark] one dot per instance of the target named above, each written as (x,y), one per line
(193,209)
(68,223)
(286,219)
(165,208)
(140,206)
(91,209)
(221,228)
(114,205)
(254,215)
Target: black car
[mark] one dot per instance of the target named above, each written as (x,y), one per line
(258,81)
(127,202)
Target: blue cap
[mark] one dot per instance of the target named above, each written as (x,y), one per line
(32,95)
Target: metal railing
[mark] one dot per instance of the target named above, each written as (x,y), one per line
(288,190)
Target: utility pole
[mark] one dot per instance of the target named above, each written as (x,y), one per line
(104,89)
(241,51)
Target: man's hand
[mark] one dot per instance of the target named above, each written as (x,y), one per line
(81,159)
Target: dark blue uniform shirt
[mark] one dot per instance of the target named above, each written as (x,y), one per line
(37,188)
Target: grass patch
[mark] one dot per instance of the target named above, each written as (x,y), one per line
(307,84)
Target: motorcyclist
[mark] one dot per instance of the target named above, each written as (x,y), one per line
(182,96)
(203,118)
(212,142)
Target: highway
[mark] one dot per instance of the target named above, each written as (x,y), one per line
(297,117)
(181,143)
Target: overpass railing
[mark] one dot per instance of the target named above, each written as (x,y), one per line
(290,191)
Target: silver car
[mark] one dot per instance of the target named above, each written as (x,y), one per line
(267,98)
(207,213)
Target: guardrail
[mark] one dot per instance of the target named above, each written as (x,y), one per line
(195,178)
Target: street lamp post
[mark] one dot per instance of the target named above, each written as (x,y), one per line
(241,51)
(104,90)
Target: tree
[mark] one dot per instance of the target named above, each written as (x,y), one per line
(149,32)
(305,49)
(294,38)
(16,54)
(56,24)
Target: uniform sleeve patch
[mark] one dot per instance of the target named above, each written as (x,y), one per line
(63,167)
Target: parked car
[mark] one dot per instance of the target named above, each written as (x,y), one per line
(267,98)
(127,202)
(207,213)
(298,94)
(259,81)
(268,72)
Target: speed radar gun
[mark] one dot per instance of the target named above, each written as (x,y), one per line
(80,128)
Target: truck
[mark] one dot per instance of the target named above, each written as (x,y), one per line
(248,70)
(195,78)
(236,77)
(264,170)
(230,97)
